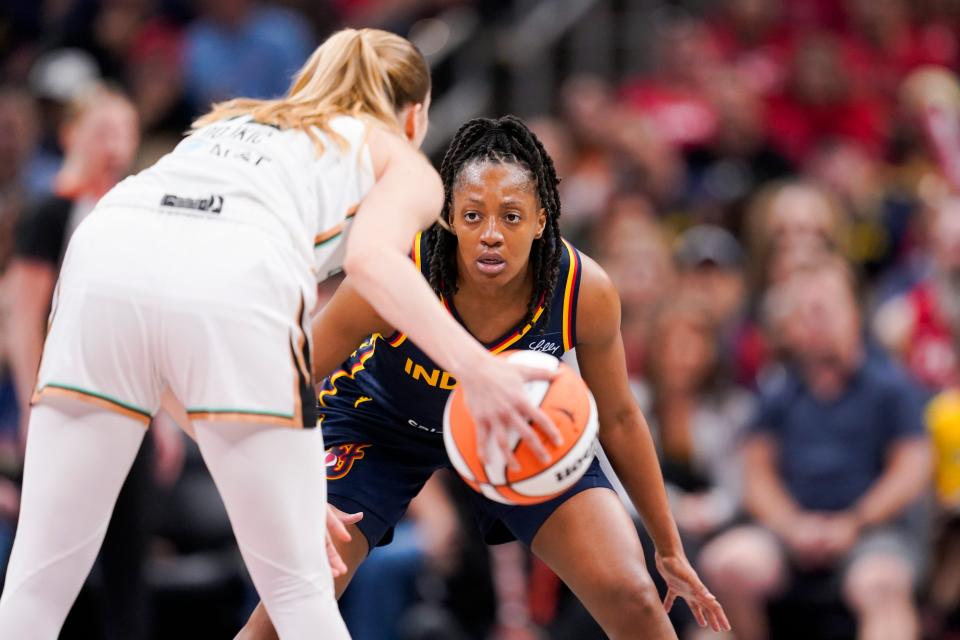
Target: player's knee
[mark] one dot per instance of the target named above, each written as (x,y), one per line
(629,600)
(745,562)
(878,581)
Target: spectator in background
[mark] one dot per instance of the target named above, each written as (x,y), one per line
(615,147)
(19,135)
(99,137)
(943,422)
(646,158)
(789,223)
(155,78)
(709,261)
(696,415)
(589,178)
(835,459)
(754,40)
(635,252)
(889,43)
(240,47)
(57,78)
(877,212)
(920,326)
(737,160)
(822,101)
(580,195)
(673,98)
(18,138)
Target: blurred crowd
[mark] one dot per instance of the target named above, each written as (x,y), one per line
(787,250)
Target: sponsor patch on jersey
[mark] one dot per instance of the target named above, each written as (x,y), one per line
(209,204)
(340,458)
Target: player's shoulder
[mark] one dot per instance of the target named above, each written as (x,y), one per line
(595,284)
(598,302)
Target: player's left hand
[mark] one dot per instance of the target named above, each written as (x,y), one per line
(683,582)
(337,522)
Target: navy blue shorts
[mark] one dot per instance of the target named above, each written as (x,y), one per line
(378,469)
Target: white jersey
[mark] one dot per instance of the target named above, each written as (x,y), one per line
(243,171)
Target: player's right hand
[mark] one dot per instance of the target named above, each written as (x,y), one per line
(494,392)
(337,522)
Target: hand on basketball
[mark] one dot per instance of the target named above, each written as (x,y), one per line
(494,393)
(337,522)
(683,582)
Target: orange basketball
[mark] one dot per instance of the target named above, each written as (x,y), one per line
(568,402)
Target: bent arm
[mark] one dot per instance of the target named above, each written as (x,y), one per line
(624,432)
(408,196)
(339,328)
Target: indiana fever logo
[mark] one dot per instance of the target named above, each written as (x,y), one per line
(340,459)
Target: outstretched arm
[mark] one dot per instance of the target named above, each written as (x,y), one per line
(627,442)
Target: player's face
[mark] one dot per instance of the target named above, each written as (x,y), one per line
(496,216)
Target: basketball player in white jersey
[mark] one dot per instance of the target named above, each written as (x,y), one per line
(198,275)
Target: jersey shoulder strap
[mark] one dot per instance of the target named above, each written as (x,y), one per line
(420,254)
(567,293)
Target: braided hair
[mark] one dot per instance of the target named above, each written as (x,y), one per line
(503,141)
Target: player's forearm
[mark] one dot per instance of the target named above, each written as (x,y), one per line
(629,447)
(397,290)
(906,477)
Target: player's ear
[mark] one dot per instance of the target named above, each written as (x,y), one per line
(541,222)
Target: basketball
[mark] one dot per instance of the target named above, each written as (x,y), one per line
(568,402)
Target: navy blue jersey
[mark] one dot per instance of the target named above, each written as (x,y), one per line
(391,382)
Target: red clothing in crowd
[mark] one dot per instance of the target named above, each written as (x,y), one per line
(796,128)
(930,355)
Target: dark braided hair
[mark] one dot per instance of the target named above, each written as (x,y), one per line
(505,141)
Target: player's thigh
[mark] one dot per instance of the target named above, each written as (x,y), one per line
(591,543)
(374,475)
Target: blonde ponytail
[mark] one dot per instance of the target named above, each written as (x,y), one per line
(365,73)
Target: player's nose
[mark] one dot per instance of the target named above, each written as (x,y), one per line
(491,235)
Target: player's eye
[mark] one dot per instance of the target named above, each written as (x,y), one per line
(471,216)
(512,218)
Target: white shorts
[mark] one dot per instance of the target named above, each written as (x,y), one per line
(212,308)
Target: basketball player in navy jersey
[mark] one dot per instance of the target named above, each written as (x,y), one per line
(504,272)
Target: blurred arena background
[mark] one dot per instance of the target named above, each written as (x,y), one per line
(709,151)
